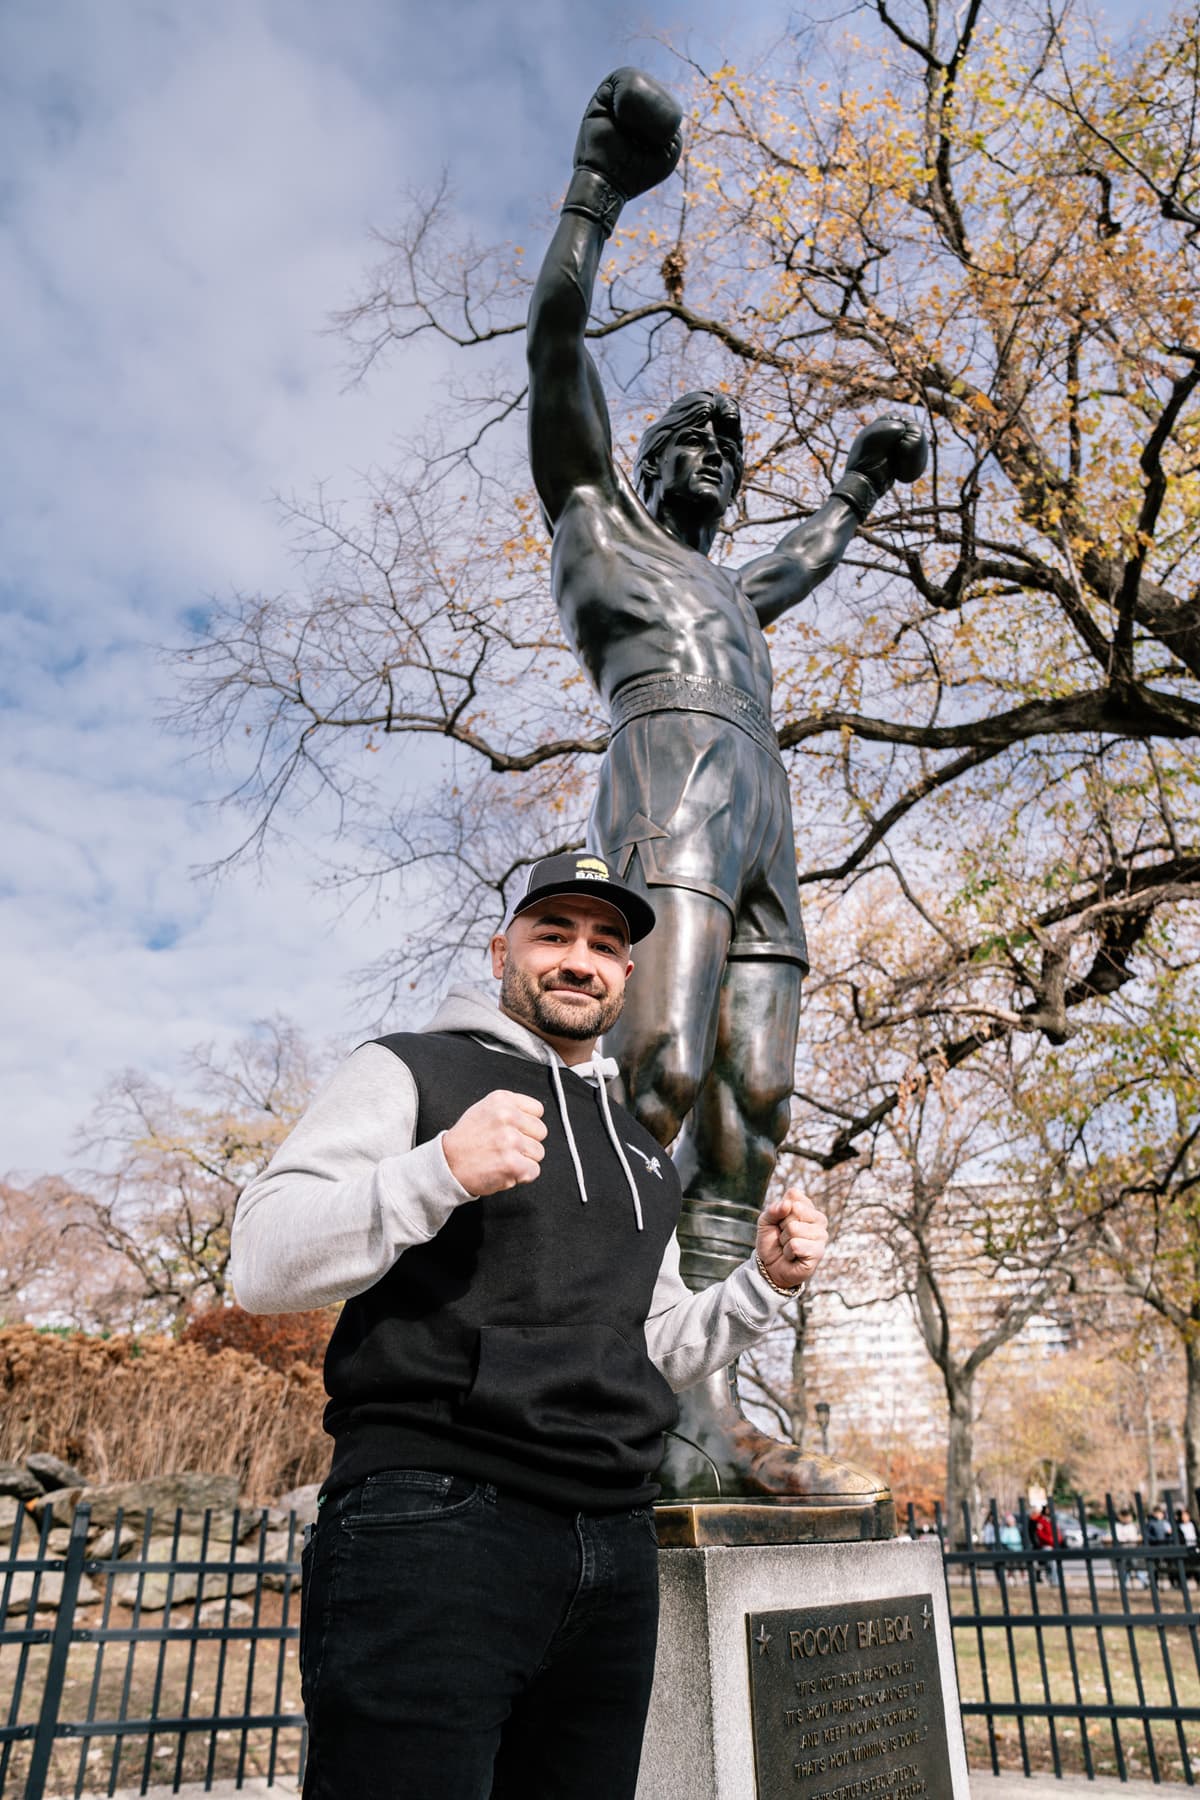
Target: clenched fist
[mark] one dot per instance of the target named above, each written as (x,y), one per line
(883,452)
(497,1143)
(630,132)
(791,1240)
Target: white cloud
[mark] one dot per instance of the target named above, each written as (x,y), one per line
(186,198)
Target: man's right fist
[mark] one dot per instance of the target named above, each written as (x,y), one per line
(497,1143)
(630,133)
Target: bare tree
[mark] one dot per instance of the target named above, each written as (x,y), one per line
(990,715)
(167,1173)
(48,1274)
(972,1221)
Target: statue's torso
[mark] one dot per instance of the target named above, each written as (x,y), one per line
(636,602)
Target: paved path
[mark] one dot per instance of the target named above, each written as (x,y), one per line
(1070,1787)
(983,1787)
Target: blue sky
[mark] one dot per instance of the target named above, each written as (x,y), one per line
(186,198)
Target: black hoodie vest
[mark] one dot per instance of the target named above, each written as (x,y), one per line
(510,1348)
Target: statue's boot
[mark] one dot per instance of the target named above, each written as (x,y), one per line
(717,1453)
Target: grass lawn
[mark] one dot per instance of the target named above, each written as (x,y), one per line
(1144,1663)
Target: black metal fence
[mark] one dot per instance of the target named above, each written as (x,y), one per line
(1081,1658)
(145,1655)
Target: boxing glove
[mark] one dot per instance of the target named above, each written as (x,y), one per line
(629,141)
(885,451)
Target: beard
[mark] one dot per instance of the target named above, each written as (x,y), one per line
(536,1003)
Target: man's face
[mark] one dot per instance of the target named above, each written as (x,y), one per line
(563,966)
(698,467)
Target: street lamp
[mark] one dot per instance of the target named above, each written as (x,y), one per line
(822,1412)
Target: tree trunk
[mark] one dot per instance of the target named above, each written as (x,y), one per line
(798,1404)
(960,1450)
(1191,1421)
(1151,1462)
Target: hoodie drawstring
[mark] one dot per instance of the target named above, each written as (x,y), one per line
(602,1069)
(614,1140)
(564,1115)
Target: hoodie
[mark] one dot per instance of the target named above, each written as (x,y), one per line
(530,1338)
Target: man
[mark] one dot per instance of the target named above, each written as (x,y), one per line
(480,1591)
(693,800)
(1046,1538)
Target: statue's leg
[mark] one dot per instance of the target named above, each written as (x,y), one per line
(725,1158)
(727,1152)
(665,1038)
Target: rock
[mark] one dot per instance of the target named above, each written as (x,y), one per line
(105,1548)
(10,1511)
(249,1522)
(49,1592)
(162,1494)
(218,1580)
(302,1501)
(213,1613)
(60,1503)
(52,1472)
(17,1480)
(275,1550)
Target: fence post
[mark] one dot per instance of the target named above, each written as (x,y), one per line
(56,1668)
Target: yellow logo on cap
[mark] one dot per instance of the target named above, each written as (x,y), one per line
(592,865)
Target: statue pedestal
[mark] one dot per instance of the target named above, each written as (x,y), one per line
(819,1519)
(816,1671)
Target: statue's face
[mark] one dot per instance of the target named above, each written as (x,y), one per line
(697,467)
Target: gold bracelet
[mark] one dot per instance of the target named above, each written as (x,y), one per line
(789,1293)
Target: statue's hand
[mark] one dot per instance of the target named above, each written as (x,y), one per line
(885,451)
(889,450)
(630,133)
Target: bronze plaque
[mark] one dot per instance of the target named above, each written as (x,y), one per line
(846,1702)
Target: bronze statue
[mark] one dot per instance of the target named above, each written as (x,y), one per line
(693,798)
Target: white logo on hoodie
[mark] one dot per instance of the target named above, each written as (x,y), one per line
(653,1166)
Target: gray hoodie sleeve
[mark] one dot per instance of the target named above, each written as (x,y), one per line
(691,1335)
(344,1195)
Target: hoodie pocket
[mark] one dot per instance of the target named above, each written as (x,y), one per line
(570,1393)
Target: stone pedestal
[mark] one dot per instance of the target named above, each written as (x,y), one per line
(820,1671)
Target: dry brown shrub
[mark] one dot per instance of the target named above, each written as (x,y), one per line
(125,1408)
(279,1340)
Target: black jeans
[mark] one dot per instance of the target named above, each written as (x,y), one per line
(460,1644)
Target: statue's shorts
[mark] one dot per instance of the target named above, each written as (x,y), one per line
(693,794)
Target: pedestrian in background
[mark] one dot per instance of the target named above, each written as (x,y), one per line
(1126,1532)
(1046,1538)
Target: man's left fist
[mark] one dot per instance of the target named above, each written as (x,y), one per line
(792,1237)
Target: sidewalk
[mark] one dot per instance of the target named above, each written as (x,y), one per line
(255,1787)
(1071,1787)
(983,1787)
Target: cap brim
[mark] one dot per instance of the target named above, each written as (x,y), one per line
(637,913)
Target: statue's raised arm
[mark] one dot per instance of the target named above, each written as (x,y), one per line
(628,142)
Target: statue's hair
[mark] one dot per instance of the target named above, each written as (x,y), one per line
(690,409)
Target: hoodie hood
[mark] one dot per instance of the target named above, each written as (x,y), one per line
(473,1012)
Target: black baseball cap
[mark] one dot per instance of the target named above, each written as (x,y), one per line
(583,872)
